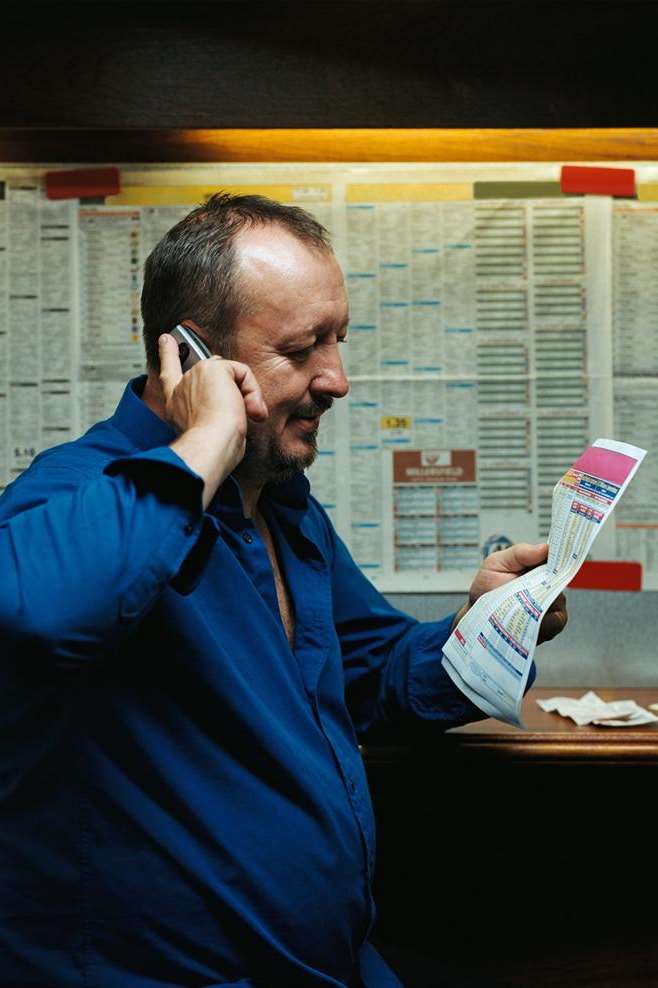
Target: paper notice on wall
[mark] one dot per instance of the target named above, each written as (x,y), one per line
(38,299)
(470,329)
(436,514)
(481,320)
(490,652)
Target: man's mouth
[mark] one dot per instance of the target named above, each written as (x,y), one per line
(306,422)
(309,415)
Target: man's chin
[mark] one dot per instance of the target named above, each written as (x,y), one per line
(300,448)
(296,461)
(277,463)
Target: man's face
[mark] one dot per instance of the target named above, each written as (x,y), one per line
(289,336)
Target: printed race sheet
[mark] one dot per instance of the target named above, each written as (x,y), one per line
(489,654)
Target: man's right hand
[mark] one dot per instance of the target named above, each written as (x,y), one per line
(507,564)
(209,406)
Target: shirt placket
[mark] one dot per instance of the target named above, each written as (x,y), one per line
(311,588)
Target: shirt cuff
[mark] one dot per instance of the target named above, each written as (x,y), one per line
(432,694)
(182,485)
(162,472)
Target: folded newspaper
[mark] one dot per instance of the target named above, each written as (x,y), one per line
(489,654)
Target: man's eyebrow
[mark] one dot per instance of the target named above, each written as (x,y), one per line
(297,339)
(306,335)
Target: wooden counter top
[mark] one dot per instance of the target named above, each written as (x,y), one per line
(549,738)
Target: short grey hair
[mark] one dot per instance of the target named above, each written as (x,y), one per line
(191,273)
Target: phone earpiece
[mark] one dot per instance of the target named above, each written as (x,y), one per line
(191,348)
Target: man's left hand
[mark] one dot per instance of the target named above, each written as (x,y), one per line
(505,565)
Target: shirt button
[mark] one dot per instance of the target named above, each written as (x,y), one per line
(189,529)
(248,537)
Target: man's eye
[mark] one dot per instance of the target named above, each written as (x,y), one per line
(300,354)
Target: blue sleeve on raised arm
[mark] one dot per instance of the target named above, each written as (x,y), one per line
(89,555)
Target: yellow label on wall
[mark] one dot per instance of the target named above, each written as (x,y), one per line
(409,192)
(395,421)
(194,195)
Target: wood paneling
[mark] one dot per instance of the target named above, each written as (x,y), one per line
(363,144)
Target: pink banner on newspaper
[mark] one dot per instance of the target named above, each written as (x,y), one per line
(606,464)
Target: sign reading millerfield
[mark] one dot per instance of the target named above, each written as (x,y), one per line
(434,466)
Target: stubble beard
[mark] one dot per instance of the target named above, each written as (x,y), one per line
(270,463)
(266,461)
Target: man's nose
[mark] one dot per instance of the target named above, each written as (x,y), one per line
(331,378)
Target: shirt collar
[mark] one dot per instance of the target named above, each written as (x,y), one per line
(134,419)
(290,497)
(291,493)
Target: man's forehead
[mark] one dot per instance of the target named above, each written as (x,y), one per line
(270,248)
(298,284)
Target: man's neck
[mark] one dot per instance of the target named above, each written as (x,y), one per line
(152,397)
(250,497)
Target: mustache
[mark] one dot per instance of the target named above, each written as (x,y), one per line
(316,407)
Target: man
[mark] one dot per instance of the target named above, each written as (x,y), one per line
(189,650)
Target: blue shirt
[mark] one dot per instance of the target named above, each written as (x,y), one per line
(182,797)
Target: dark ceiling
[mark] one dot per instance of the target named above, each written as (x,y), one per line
(340,64)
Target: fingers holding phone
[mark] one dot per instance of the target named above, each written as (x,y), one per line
(209,406)
(213,392)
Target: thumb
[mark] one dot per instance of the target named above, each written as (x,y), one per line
(518,557)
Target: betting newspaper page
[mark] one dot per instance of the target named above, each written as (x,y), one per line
(490,652)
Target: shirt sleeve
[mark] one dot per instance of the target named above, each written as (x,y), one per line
(396,685)
(88,556)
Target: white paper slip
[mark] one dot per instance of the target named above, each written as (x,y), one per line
(490,652)
(591,709)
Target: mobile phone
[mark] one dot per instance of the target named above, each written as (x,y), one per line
(190,348)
